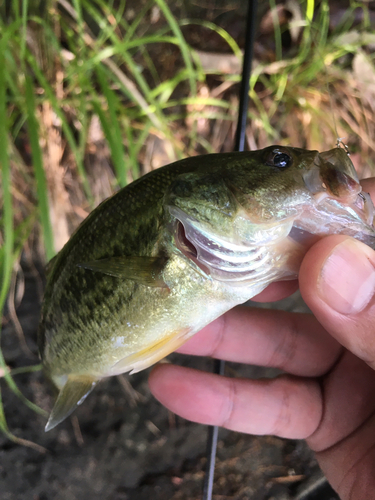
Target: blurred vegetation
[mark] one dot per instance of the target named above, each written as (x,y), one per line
(94,93)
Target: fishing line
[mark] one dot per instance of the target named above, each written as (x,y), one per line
(239,146)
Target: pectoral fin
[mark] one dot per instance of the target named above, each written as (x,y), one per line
(145,270)
(71,395)
(152,354)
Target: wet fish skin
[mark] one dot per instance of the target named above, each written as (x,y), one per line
(177,248)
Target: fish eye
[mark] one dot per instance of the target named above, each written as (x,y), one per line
(282,160)
(279,159)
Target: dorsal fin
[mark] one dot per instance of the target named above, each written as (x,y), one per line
(73,393)
(49,265)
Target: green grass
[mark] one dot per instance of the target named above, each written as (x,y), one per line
(73,60)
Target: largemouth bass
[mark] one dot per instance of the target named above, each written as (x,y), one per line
(177,248)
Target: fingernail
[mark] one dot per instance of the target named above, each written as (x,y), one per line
(347,280)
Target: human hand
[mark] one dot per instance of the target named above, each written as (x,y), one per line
(327,395)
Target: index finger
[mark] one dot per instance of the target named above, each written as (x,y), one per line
(293,342)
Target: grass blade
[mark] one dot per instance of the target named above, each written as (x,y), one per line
(8,233)
(41,185)
(183,45)
(113,131)
(12,385)
(231,42)
(276,26)
(23,442)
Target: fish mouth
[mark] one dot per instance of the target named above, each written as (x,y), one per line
(221,259)
(330,215)
(354,199)
(362,205)
(338,199)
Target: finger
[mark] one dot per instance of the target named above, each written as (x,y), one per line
(286,406)
(349,466)
(295,343)
(338,405)
(337,281)
(348,401)
(368,186)
(277,291)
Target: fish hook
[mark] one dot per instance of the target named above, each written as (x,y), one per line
(340,143)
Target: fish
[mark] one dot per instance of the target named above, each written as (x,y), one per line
(180,246)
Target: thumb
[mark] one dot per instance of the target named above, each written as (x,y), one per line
(337,282)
